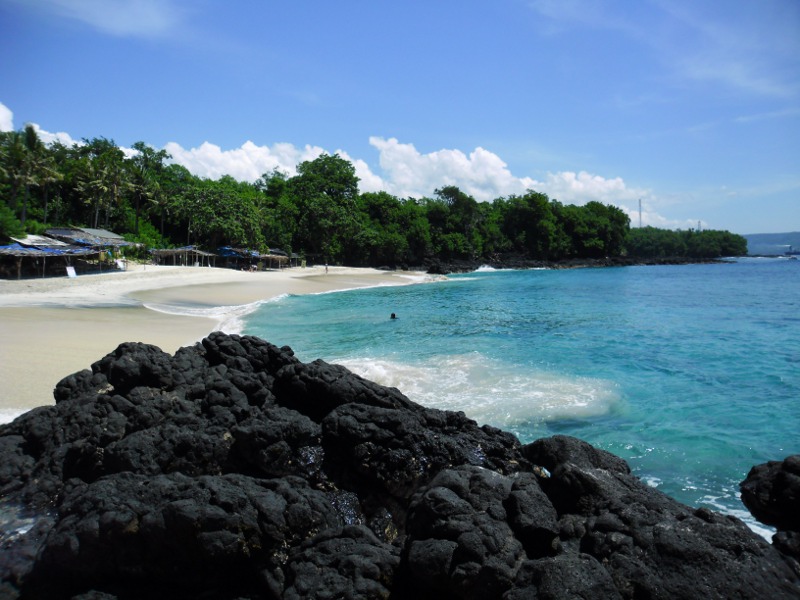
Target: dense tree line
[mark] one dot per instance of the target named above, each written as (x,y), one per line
(318,213)
(649,242)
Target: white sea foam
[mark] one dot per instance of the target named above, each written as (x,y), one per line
(413,279)
(9,414)
(723,504)
(490,269)
(489,391)
(651,481)
(228,318)
(422,277)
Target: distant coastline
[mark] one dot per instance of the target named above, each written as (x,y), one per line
(520,262)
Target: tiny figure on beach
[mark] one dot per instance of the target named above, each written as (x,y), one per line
(394,316)
(326,268)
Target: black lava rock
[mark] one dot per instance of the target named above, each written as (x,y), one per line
(771,492)
(233,470)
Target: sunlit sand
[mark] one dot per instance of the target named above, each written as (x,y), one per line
(53,327)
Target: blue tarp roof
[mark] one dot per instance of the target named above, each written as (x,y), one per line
(20,250)
(227,251)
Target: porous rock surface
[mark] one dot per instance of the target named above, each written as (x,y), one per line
(233,470)
(771,492)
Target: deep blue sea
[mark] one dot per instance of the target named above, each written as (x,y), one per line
(691,373)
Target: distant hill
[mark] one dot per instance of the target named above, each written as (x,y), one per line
(772,243)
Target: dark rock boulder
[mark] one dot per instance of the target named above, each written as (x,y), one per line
(348,562)
(460,543)
(233,470)
(771,491)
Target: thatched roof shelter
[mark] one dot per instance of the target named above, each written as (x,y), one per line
(187,256)
(84,236)
(31,256)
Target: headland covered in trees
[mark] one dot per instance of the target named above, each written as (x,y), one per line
(319,213)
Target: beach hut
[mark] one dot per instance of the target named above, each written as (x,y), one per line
(239,258)
(28,256)
(84,236)
(275,259)
(186,256)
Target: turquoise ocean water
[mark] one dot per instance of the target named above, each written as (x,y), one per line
(691,373)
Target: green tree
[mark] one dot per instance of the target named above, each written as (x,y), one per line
(146,168)
(416,229)
(174,182)
(651,242)
(325,192)
(33,164)
(102,178)
(17,163)
(279,212)
(529,223)
(217,213)
(49,174)
(388,229)
(9,224)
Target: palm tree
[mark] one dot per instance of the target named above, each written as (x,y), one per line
(34,156)
(146,166)
(102,177)
(14,158)
(49,174)
(91,184)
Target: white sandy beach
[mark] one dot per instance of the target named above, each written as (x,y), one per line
(53,327)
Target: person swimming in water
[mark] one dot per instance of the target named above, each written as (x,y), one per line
(394,316)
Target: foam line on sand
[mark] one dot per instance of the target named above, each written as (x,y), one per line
(53,327)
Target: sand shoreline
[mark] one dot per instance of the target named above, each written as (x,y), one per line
(53,327)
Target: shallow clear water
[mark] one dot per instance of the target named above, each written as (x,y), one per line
(691,373)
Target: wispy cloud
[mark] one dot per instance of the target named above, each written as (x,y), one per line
(747,46)
(595,14)
(750,47)
(125,18)
(768,116)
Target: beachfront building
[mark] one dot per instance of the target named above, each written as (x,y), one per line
(227,257)
(28,257)
(241,258)
(277,258)
(101,239)
(76,251)
(186,256)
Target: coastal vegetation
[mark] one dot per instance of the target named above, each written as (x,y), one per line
(318,213)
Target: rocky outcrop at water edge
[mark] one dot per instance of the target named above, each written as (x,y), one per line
(233,470)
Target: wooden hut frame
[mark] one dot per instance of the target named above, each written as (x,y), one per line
(186,256)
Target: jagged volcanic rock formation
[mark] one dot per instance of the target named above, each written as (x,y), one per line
(233,470)
(771,492)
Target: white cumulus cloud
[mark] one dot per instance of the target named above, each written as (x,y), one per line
(485,176)
(7,124)
(405,172)
(582,187)
(247,163)
(6,118)
(481,174)
(60,136)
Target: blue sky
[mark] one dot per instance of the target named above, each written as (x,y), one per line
(692,106)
